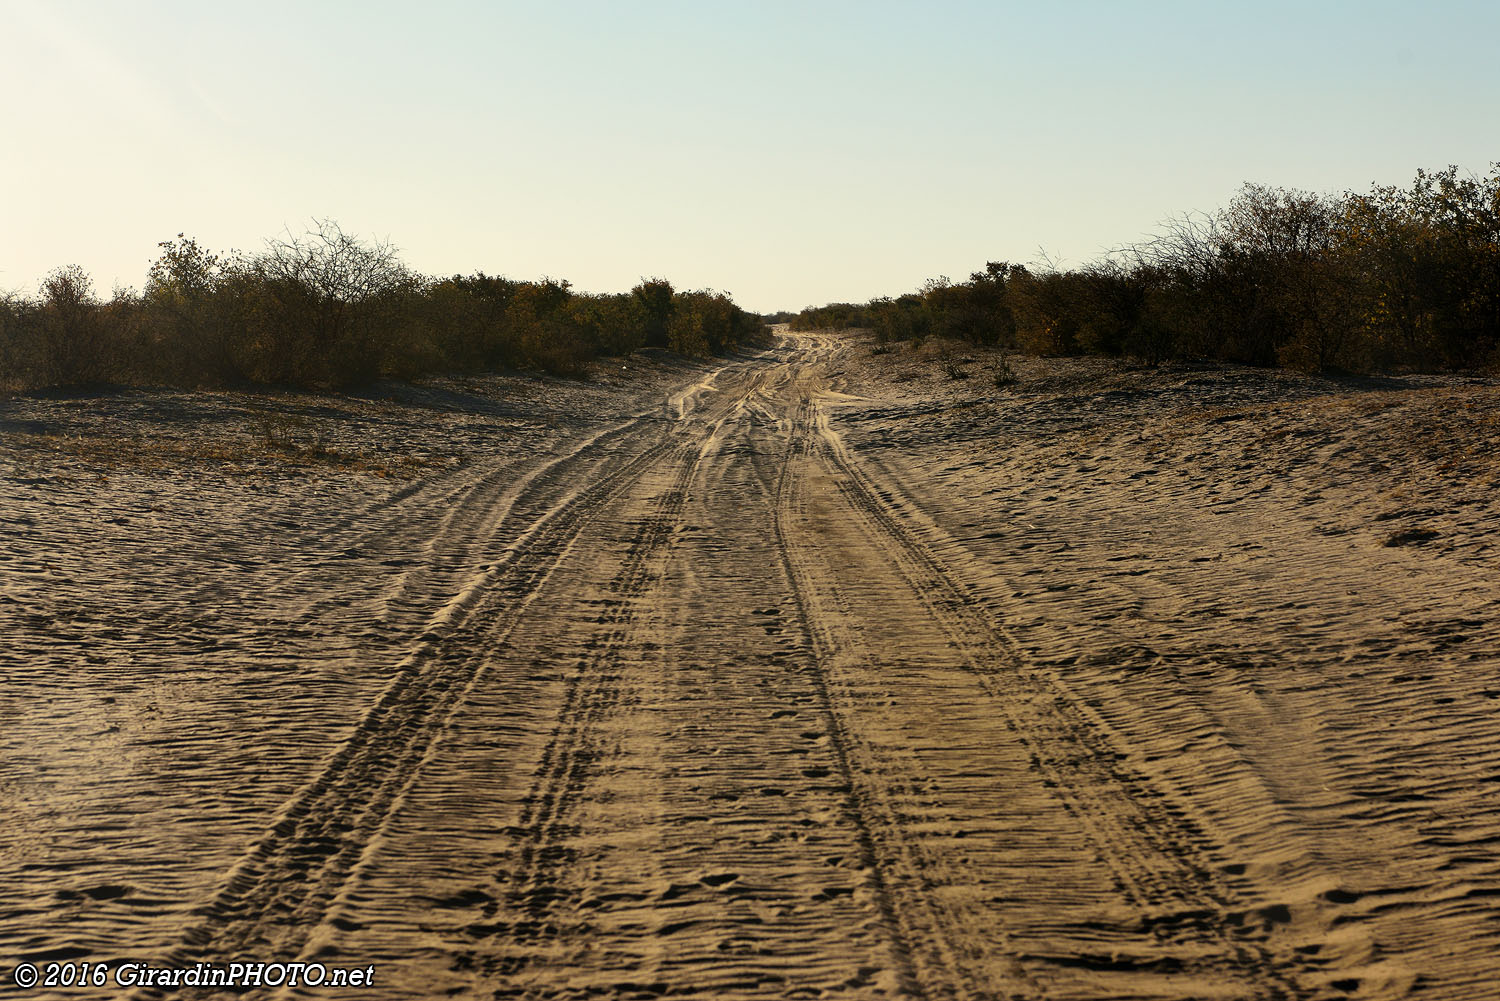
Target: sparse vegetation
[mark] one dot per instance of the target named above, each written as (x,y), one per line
(953,365)
(1004,374)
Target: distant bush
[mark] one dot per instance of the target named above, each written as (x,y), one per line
(326,309)
(656,300)
(834,316)
(1393,278)
(708,322)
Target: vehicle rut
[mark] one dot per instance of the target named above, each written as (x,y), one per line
(532,884)
(956,771)
(284,886)
(1195,916)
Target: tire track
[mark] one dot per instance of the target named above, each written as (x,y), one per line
(284,886)
(1164,863)
(479,507)
(563,918)
(534,889)
(478,499)
(928,944)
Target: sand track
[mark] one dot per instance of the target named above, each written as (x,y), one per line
(1015,752)
(728,689)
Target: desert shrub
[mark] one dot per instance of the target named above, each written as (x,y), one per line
(470,313)
(1003,374)
(611,324)
(982,310)
(454,328)
(189,315)
(70,332)
(1048,313)
(905,318)
(543,332)
(953,366)
(1459,260)
(20,347)
(708,322)
(324,308)
(977,311)
(1286,246)
(656,300)
(834,316)
(1154,338)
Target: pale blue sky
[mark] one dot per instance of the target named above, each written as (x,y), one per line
(790,153)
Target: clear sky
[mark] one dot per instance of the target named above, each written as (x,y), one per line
(790,153)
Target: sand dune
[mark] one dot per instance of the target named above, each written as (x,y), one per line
(808,673)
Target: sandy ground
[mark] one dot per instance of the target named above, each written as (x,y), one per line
(808,673)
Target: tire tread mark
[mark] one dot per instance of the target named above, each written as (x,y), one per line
(283,886)
(926,947)
(531,886)
(1086,770)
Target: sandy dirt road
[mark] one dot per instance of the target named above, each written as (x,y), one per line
(727,696)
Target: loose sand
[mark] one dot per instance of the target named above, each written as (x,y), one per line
(807,673)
